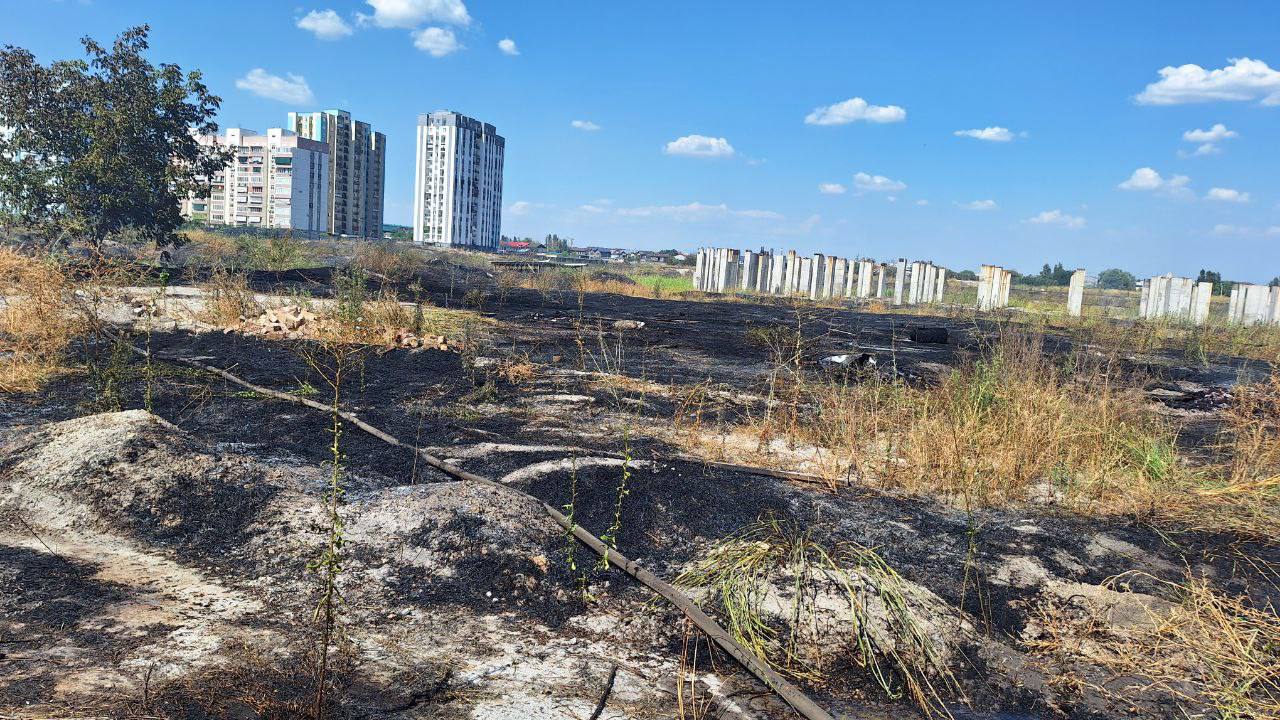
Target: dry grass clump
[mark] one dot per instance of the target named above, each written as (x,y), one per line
(785,596)
(387,261)
(230,300)
(1214,654)
(38,320)
(996,429)
(247,252)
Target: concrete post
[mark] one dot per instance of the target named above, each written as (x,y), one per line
(839,277)
(816,278)
(864,278)
(986,274)
(916,282)
(881,268)
(697,270)
(828,277)
(930,282)
(1006,284)
(748,271)
(898,279)
(1201,297)
(942,285)
(1075,293)
(851,280)
(1275,306)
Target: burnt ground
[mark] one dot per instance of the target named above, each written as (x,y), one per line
(246,514)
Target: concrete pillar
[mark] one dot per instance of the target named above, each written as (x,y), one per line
(930,282)
(1233,305)
(816,278)
(898,279)
(1006,284)
(986,275)
(803,276)
(916,282)
(748,271)
(1202,295)
(828,277)
(851,280)
(864,279)
(942,285)
(1075,294)
(1274,319)
(881,269)
(1257,304)
(697,270)
(840,277)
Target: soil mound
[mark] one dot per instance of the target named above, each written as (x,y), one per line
(135,474)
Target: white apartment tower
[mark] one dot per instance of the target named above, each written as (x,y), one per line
(276,180)
(457,184)
(357,169)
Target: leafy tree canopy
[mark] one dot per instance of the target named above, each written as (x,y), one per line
(93,149)
(1116,279)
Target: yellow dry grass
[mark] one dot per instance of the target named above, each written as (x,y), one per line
(38,320)
(1213,654)
(1012,423)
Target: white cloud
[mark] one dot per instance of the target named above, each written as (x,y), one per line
(922,203)
(980,205)
(291,89)
(508,46)
(1208,140)
(409,14)
(831,188)
(1273,230)
(1147,179)
(853,109)
(326,24)
(1057,217)
(877,183)
(990,134)
(699,146)
(1217,133)
(522,207)
(696,211)
(593,208)
(1241,81)
(1225,229)
(1227,195)
(584,125)
(1201,151)
(436,41)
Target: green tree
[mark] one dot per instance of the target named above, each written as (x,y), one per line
(1275,281)
(104,146)
(1116,279)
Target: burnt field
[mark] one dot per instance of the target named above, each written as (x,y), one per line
(1007,519)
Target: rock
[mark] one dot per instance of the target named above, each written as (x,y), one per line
(848,361)
(628,324)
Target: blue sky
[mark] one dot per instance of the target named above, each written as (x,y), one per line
(1085,161)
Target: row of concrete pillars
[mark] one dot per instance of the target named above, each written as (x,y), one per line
(721,270)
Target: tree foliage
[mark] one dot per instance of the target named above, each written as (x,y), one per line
(93,148)
(1116,279)
(1049,276)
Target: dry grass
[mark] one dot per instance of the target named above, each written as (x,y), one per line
(38,320)
(785,596)
(230,300)
(387,261)
(1213,654)
(1009,424)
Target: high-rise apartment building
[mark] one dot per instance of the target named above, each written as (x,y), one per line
(457,186)
(357,169)
(276,180)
